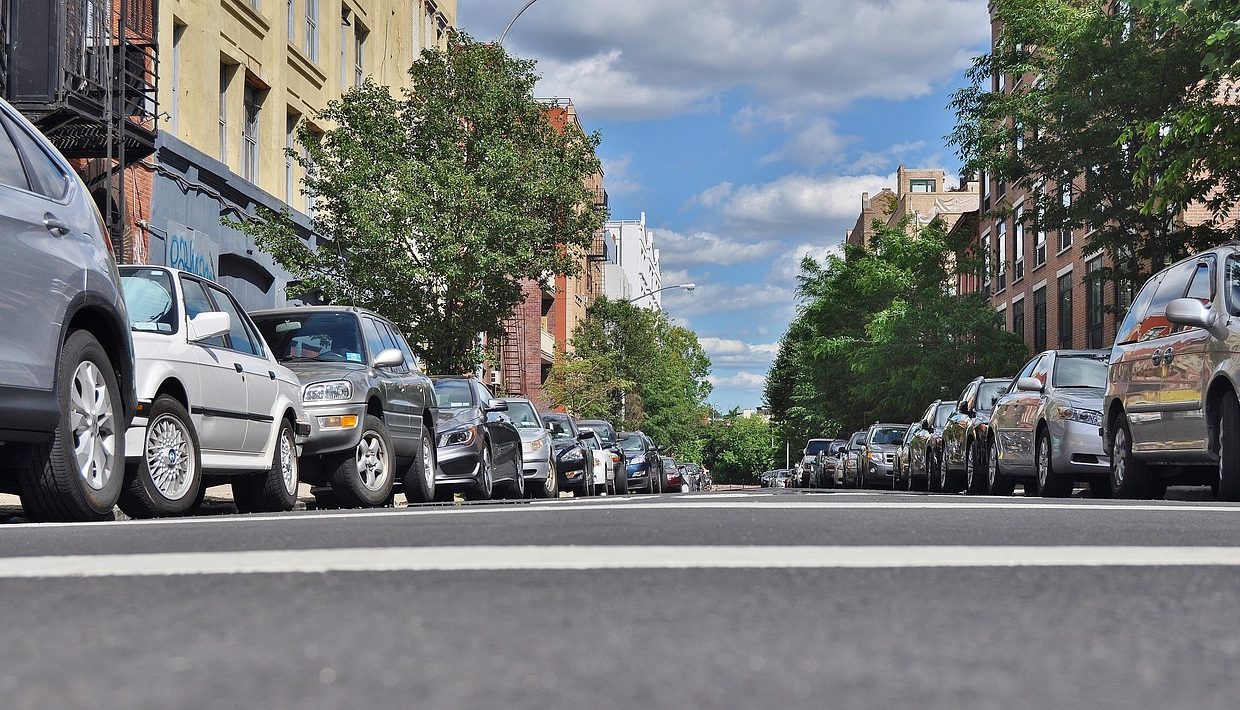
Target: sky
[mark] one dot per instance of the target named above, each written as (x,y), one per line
(747,130)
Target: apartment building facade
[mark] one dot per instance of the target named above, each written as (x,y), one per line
(239,79)
(638,260)
(921,196)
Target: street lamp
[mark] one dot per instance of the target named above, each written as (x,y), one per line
(687,287)
(513,21)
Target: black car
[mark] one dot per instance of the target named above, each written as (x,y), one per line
(372,412)
(643,466)
(479,446)
(574,462)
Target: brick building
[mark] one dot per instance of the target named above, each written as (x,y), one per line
(920,196)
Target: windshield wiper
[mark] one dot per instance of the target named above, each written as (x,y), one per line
(300,358)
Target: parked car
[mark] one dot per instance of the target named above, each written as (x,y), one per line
(1172,413)
(607,433)
(372,412)
(538,453)
(926,447)
(214,405)
(643,468)
(675,479)
(479,449)
(849,461)
(809,467)
(829,461)
(1047,428)
(574,462)
(692,475)
(600,459)
(899,470)
(66,354)
(877,457)
(964,437)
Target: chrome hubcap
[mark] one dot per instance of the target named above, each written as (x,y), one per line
(992,471)
(93,424)
(1044,465)
(1118,457)
(428,462)
(288,463)
(372,461)
(168,458)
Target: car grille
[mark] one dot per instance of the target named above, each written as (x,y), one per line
(889,458)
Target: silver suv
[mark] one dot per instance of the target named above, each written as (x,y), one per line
(66,357)
(1172,414)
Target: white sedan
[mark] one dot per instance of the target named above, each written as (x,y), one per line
(212,401)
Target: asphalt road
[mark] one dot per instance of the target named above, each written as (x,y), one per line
(778,599)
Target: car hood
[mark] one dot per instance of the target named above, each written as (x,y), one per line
(561,444)
(531,434)
(886,448)
(1083,398)
(455,418)
(311,372)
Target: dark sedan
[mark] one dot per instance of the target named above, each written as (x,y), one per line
(574,460)
(644,467)
(966,434)
(479,447)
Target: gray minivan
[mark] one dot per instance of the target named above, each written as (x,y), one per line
(1171,408)
(66,356)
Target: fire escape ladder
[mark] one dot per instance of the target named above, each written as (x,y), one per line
(512,356)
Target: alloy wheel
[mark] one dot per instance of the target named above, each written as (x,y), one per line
(1119,459)
(288,462)
(428,461)
(372,461)
(1044,466)
(168,457)
(94,425)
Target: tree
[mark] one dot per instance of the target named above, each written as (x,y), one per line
(1085,72)
(737,447)
(586,386)
(432,206)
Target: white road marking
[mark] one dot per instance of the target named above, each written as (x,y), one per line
(678,504)
(429,559)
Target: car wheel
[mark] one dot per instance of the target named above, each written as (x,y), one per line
(550,487)
(1050,485)
(483,489)
(622,483)
(420,478)
(1229,449)
(999,484)
(275,490)
(1130,478)
(516,489)
(168,477)
(975,482)
(78,475)
(363,477)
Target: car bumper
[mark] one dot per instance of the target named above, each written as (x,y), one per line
(461,464)
(535,470)
(879,472)
(325,440)
(1078,449)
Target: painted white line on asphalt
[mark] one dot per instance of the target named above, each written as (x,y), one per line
(677,505)
(431,559)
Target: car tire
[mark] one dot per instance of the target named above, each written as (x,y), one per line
(622,483)
(975,483)
(276,489)
(515,489)
(1050,484)
(1229,449)
(999,484)
(550,487)
(171,454)
(419,481)
(57,484)
(363,477)
(1130,478)
(485,488)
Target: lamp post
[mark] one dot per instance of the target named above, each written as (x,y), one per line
(687,287)
(513,21)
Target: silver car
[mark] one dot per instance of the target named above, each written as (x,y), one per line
(537,452)
(66,354)
(1046,427)
(1171,410)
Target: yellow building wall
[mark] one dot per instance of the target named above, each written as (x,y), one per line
(265,44)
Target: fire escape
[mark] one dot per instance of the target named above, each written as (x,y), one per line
(598,252)
(85,72)
(513,355)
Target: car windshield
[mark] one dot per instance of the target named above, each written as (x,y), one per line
(817,446)
(559,426)
(604,430)
(312,337)
(888,435)
(1080,371)
(942,413)
(453,394)
(631,443)
(988,393)
(523,415)
(149,300)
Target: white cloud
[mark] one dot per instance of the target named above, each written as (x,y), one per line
(887,158)
(735,353)
(712,196)
(743,380)
(645,58)
(618,174)
(814,144)
(677,249)
(801,204)
(787,267)
(768,301)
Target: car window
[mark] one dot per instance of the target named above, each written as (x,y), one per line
(1078,371)
(453,394)
(411,360)
(388,336)
(374,341)
(46,178)
(149,300)
(1042,371)
(239,337)
(1174,285)
(1130,330)
(988,393)
(197,301)
(559,425)
(1201,287)
(11,171)
(306,337)
(943,414)
(523,415)
(908,435)
(1233,284)
(887,435)
(967,397)
(632,444)
(1027,370)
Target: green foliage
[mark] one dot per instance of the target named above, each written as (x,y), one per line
(737,448)
(665,361)
(433,206)
(881,334)
(586,386)
(1085,73)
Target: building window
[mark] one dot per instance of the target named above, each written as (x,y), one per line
(1065,231)
(290,164)
(359,54)
(1065,311)
(986,256)
(1001,188)
(249,135)
(178,34)
(345,23)
(292,21)
(1001,254)
(1020,138)
(921,185)
(1018,318)
(1039,240)
(312,29)
(1039,320)
(1018,245)
(1093,302)
(225,72)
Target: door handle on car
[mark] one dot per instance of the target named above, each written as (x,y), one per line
(55,225)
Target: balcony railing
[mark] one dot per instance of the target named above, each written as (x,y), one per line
(548,345)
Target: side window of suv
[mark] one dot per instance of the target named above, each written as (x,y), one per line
(11,171)
(390,341)
(1202,285)
(374,341)
(1174,285)
(46,177)
(1130,330)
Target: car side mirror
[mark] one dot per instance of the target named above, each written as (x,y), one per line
(210,324)
(1029,384)
(390,358)
(497,405)
(1190,312)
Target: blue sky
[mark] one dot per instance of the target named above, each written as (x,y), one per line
(747,131)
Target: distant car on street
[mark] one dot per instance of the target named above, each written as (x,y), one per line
(643,467)
(574,461)
(965,436)
(675,481)
(878,454)
(849,461)
(925,448)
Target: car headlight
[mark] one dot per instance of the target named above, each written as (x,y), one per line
(573,454)
(637,458)
(533,447)
(876,456)
(337,391)
(1085,416)
(460,437)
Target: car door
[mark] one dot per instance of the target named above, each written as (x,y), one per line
(40,261)
(393,387)
(220,408)
(1149,432)
(1187,359)
(957,427)
(417,391)
(1015,417)
(250,357)
(505,438)
(1134,379)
